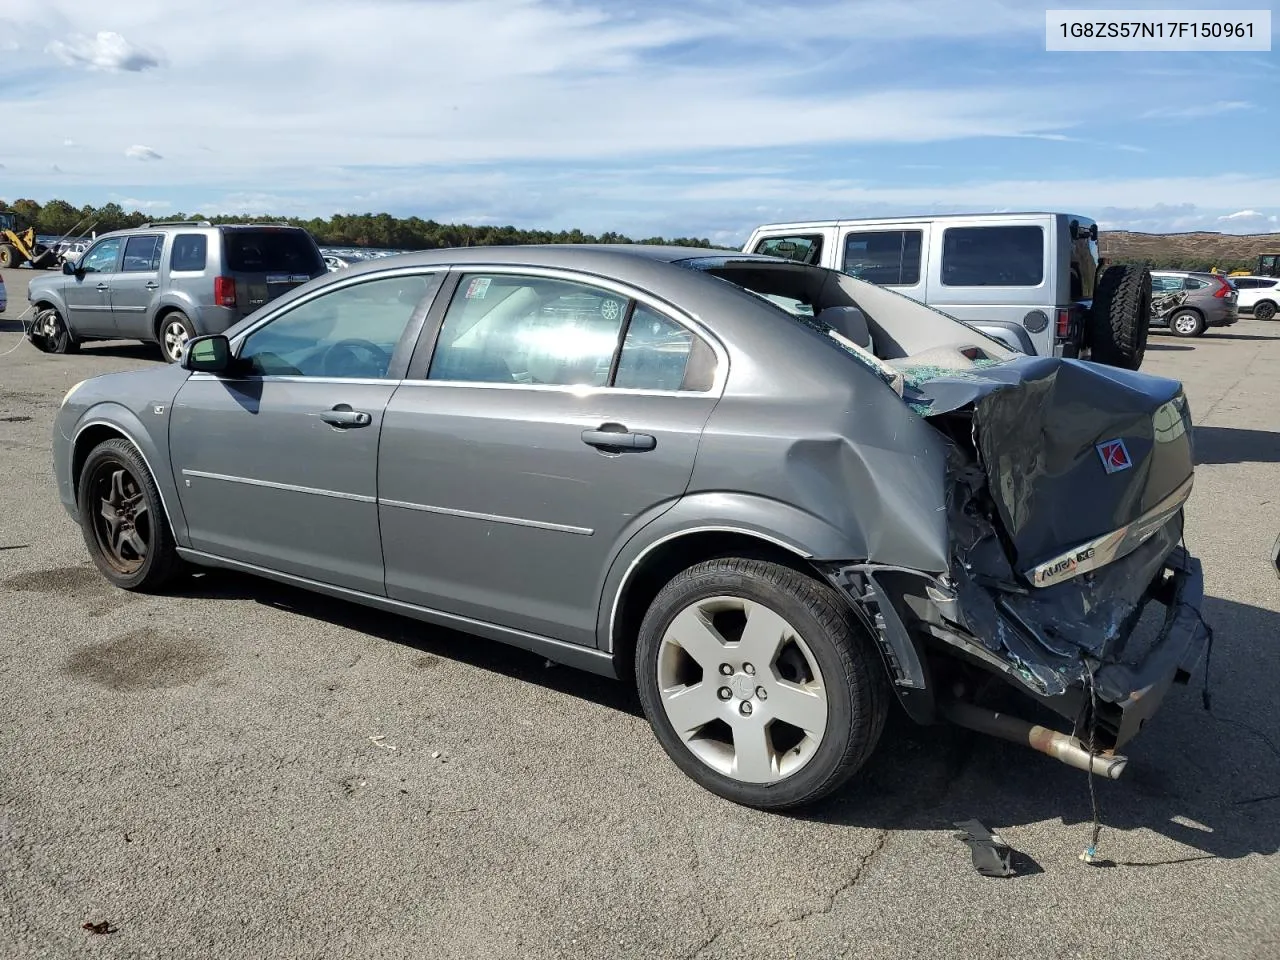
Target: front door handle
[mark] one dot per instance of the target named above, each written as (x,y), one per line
(152,285)
(614,436)
(343,416)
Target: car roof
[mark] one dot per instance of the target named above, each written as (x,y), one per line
(622,258)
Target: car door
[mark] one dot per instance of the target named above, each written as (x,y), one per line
(87,293)
(276,461)
(134,287)
(554,414)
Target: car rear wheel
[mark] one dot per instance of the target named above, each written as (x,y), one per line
(759,682)
(175,331)
(49,333)
(123,519)
(1187,323)
(1265,310)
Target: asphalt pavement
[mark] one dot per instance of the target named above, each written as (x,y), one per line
(246,770)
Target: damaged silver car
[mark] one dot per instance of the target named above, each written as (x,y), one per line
(777,497)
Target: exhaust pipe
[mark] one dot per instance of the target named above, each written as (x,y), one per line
(1057,745)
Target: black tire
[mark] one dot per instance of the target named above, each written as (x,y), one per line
(1120,318)
(1191,321)
(150,569)
(9,256)
(853,676)
(49,333)
(169,324)
(1264,310)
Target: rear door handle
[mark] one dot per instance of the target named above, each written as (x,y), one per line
(152,285)
(619,438)
(343,416)
(103,288)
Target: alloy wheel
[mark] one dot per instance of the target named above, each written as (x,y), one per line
(1186,324)
(175,339)
(742,689)
(121,519)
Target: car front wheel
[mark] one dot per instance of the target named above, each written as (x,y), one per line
(123,520)
(759,682)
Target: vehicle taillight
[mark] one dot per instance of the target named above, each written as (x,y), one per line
(224,291)
(1224,289)
(1064,322)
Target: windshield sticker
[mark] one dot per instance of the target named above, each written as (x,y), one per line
(478,287)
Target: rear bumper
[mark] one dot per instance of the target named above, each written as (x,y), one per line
(1130,694)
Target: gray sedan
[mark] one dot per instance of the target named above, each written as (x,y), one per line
(776,498)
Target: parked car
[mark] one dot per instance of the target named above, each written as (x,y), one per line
(164,283)
(340,261)
(4,297)
(772,495)
(1257,296)
(1188,303)
(1033,281)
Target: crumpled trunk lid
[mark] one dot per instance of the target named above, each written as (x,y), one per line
(1067,485)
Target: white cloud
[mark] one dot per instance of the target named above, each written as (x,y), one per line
(68,142)
(1244,215)
(139,152)
(104,51)
(129,203)
(1194,111)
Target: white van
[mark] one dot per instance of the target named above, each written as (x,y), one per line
(1026,279)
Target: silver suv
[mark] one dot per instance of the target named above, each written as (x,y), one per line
(165,283)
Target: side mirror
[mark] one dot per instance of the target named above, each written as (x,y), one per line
(209,354)
(69,268)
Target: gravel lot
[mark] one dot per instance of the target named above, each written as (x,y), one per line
(202,770)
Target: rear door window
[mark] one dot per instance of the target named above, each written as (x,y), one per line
(272,251)
(886,257)
(1010,256)
(802,249)
(1194,283)
(190,251)
(142,254)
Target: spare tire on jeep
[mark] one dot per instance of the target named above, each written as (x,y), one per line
(1120,316)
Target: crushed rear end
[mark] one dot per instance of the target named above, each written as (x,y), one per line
(1065,490)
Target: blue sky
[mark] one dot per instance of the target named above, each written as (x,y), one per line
(697,117)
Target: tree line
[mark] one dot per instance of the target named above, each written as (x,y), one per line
(379,230)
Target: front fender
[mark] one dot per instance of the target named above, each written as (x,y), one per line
(771,521)
(97,419)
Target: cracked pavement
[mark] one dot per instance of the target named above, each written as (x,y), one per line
(246,770)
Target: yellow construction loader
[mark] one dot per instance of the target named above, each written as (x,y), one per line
(19,246)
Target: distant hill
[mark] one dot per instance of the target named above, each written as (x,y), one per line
(1188,251)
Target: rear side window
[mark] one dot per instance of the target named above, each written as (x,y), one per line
(142,254)
(887,257)
(993,256)
(659,354)
(802,249)
(271,251)
(190,251)
(1194,283)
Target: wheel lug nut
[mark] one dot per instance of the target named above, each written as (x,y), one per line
(726,670)
(762,693)
(746,708)
(750,670)
(724,693)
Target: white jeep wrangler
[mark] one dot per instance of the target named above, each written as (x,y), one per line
(1031,280)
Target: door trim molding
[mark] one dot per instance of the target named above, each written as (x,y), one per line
(492,517)
(271,484)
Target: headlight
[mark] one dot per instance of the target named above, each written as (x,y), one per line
(67,396)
